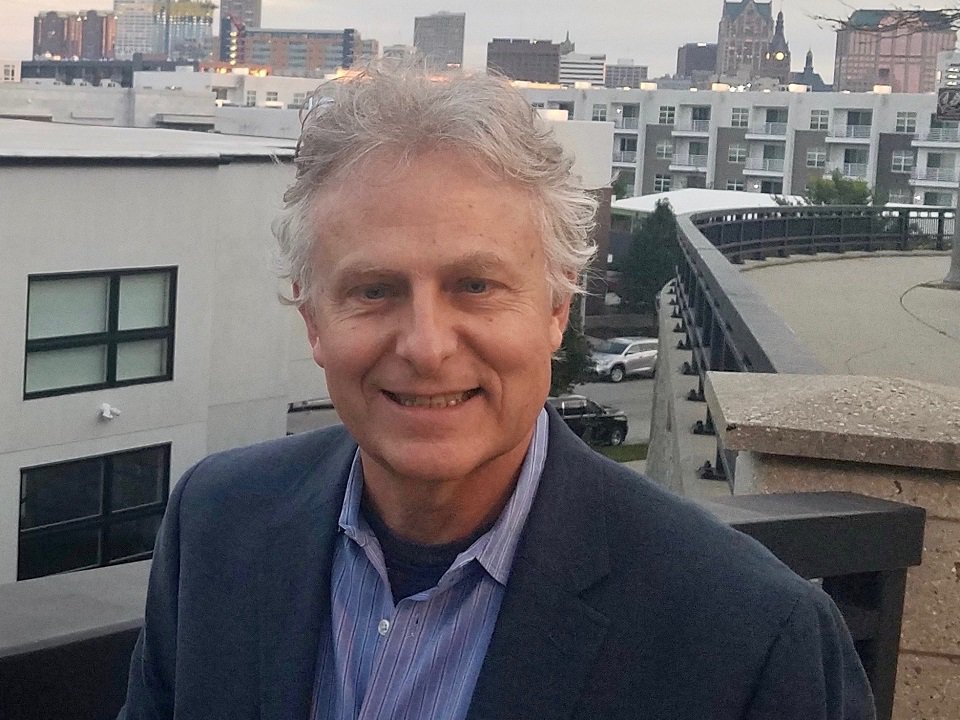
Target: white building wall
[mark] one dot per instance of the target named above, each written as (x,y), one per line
(232,337)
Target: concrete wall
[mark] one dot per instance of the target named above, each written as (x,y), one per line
(231,378)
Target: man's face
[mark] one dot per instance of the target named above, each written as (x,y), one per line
(432,316)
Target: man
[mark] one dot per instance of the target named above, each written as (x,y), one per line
(454,551)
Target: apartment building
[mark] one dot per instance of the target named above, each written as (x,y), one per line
(298,52)
(439,39)
(771,142)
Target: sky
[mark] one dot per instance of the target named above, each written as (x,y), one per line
(648,31)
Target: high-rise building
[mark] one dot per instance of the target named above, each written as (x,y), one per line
(524,59)
(439,38)
(245,12)
(228,50)
(875,47)
(137,29)
(624,73)
(582,67)
(746,28)
(86,35)
(370,49)
(188,31)
(297,52)
(696,58)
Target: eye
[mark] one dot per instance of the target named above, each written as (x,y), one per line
(475,286)
(373,292)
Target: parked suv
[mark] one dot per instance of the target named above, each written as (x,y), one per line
(618,357)
(594,423)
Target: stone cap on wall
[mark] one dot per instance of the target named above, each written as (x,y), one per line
(888,421)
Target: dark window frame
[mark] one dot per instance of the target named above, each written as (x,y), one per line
(112,338)
(104,521)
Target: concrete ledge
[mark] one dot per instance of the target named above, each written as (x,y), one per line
(888,421)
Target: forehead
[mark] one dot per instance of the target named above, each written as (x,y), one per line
(443,189)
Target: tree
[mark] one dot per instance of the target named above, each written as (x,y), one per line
(902,21)
(838,190)
(571,362)
(651,260)
(620,187)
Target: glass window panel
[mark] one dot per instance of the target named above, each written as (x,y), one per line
(141,359)
(144,301)
(58,552)
(137,478)
(70,306)
(71,367)
(132,537)
(58,493)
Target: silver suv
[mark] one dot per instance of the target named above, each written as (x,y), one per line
(618,357)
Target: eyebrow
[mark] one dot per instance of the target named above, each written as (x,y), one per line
(478,262)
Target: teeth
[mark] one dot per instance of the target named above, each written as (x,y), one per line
(433,401)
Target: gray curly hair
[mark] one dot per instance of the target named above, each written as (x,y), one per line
(403,108)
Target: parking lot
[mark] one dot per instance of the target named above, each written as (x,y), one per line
(634,396)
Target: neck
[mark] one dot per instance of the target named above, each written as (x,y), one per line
(435,511)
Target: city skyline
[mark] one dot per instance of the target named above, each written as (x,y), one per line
(606,27)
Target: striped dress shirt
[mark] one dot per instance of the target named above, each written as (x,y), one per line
(418,659)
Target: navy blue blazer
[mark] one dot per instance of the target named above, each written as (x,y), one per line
(624,601)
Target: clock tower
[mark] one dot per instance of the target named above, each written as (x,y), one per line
(776,60)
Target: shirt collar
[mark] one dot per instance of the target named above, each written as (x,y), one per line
(496,548)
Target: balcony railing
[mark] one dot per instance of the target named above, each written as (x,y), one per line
(776,129)
(766,164)
(627,123)
(860,132)
(625,156)
(949,175)
(698,126)
(855,171)
(696,162)
(949,135)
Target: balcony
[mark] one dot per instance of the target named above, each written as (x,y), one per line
(763,166)
(625,156)
(850,133)
(689,163)
(692,127)
(939,135)
(854,171)
(626,123)
(765,131)
(936,177)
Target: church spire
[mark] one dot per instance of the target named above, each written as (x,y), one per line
(808,67)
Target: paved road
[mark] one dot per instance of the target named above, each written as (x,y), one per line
(633,396)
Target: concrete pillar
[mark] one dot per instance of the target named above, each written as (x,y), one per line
(889,438)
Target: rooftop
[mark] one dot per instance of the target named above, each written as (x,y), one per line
(21,139)
(693,200)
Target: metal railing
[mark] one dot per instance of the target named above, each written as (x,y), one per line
(726,323)
(950,135)
(698,126)
(859,132)
(856,171)
(625,156)
(776,129)
(698,162)
(766,164)
(626,123)
(949,175)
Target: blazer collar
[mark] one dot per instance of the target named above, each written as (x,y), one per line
(547,636)
(294,584)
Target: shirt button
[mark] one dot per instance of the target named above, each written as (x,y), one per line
(383,627)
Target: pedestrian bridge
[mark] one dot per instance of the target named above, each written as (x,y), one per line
(818,349)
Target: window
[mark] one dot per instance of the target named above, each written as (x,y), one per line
(734,184)
(298,100)
(668,115)
(737,153)
(251,99)
(87,331)
(92,512)
(600,113)
(817,158)
(665,150)
(902,161)
(819,119)
(740,117)
(906,122)
(272,96)
(661,183)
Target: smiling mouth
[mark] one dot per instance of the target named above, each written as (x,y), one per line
(433,401)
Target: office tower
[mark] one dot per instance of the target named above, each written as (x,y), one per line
(624,73)
(137,29)
(696,58)
(299,52)
(902,57)
(746,28)
(581,67)
(439,38)
(86,35)
(245,12)
(524,59)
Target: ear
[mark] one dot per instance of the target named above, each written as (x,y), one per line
(559,320)
(308,314)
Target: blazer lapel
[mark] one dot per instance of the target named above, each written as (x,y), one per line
(294,586)
(547,635)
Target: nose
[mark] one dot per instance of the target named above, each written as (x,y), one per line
(427,335)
